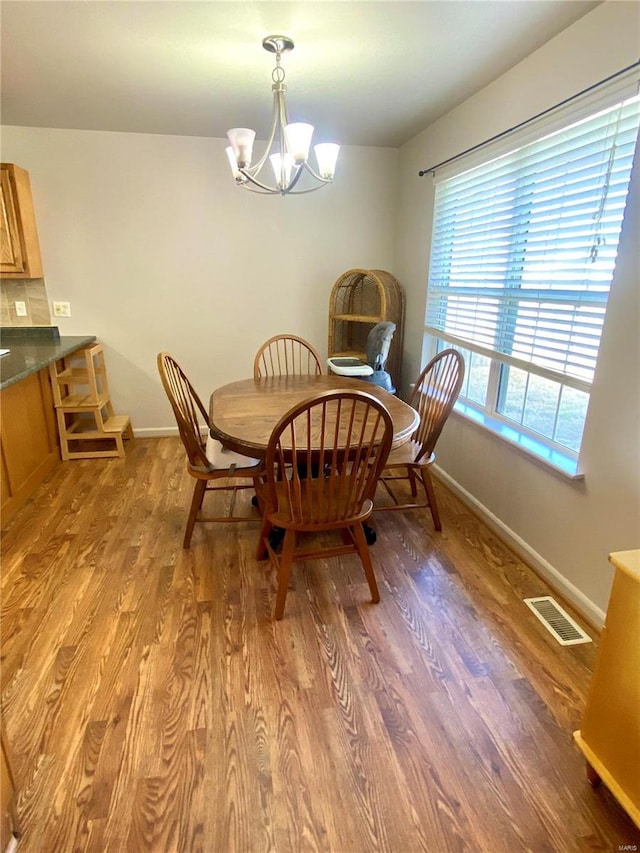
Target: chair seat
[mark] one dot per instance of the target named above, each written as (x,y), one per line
(406,454)
(222,457)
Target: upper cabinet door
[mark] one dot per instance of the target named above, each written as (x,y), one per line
(12,259)
(20,248)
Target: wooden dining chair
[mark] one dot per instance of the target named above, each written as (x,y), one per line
(434,394)
(286,355)
(207,460)
(323,462)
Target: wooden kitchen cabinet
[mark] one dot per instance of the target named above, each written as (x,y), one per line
(19,245)
(9,828)
(28,440)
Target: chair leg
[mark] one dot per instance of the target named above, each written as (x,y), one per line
(284,571)
(255,500)
(431,495)
(196,502)
(365,559)
(412,480)
(347,537)
(265,530)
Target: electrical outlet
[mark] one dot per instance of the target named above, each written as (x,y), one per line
(21,309)
(61,309)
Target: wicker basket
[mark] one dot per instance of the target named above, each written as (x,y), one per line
(360,299)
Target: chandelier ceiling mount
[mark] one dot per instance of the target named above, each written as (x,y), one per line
(278,44)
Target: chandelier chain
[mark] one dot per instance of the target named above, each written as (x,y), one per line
(278,75)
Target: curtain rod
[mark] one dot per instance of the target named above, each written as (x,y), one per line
(527,121)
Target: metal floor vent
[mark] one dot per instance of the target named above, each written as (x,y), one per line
(556,621)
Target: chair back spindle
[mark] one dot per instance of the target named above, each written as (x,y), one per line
(434,396)
(323,462)
(225,466)
(327,455)
(286,355)
(187,407)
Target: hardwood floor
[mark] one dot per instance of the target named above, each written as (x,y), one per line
(151,703)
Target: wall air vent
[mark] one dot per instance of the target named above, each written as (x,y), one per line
(558,623)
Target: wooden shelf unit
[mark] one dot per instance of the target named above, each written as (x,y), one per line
(84,409)
(360,299)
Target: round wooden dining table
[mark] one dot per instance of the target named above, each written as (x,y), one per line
(243,414)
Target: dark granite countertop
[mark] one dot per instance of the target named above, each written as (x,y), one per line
(33,347)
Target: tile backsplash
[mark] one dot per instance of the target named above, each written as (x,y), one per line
(33,293)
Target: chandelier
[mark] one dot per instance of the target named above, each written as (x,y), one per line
(290,142)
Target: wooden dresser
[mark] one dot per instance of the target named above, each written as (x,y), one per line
(610,733)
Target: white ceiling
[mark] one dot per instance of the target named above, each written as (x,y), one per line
(364,73)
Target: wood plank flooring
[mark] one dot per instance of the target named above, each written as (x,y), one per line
(150,702)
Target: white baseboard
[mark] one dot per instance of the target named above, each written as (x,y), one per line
(156,432)
(593,614)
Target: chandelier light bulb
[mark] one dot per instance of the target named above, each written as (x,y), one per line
(282,168)
(233,163)
(241,139)
(327,156)
(298,136)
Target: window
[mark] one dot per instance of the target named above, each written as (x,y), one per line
(522,258)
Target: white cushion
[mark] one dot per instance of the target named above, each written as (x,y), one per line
(222,457)
(344,366)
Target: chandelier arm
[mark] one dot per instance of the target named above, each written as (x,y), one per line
(272,190)
(286,190)
(318,177)
(282,109)
(280,114)
(303,192)
(272,135)
(266,187)
(258,192)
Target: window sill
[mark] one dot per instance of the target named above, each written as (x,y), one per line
(535,449)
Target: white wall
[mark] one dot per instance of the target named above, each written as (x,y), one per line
(156,249)
(566,528)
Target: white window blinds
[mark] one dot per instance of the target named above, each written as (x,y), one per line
(524,246)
